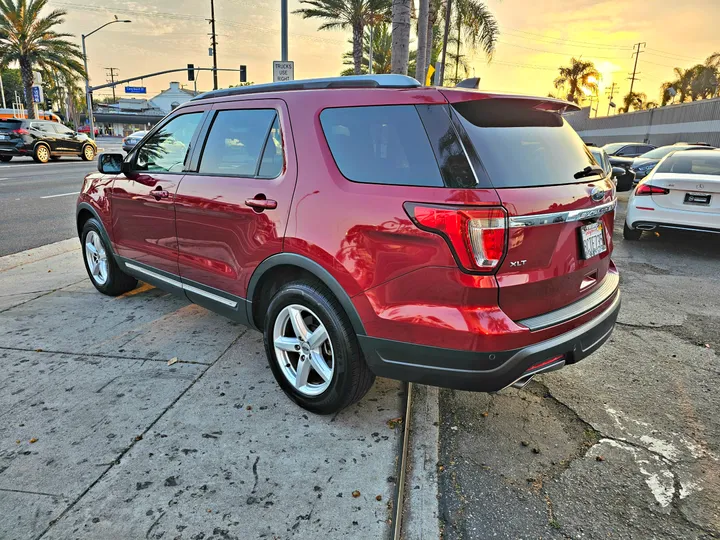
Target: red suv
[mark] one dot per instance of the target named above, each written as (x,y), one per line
(368,226)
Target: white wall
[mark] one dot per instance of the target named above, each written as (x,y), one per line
(165,99)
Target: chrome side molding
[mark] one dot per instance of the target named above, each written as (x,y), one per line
(562,217)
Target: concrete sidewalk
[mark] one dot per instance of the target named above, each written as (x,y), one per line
(100,438)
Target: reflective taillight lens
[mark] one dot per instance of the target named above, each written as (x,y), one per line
(20,131)
(477,236)
(649,189)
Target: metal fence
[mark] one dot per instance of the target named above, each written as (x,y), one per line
(689,122)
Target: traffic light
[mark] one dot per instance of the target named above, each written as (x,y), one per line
(191,72)
(243,73)
(48,104)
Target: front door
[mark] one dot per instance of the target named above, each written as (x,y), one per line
(143,213)
(232,210)
(68,140)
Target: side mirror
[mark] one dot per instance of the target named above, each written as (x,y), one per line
(617,172)
(110,163)
(624,180)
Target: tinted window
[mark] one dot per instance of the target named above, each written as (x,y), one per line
(168,147)
(613,147)
(691,163)
(661,152)
(236,141)
(601,157)
(41,126)
(644,148)
(62,129)
(381,145)
(521,146)
(454,166)
(272,160)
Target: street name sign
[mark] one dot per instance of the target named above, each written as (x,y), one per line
(135,90)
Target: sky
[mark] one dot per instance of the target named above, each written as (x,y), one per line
(536,37)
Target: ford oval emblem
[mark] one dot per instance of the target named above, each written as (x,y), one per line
(597,194)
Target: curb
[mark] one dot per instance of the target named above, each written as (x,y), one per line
(30,256)
(421,504)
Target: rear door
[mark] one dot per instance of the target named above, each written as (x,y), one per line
(232,207)
(10,133)
(560,219)
(71,143)
(691,181)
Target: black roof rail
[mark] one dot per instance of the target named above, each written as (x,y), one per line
(352,81)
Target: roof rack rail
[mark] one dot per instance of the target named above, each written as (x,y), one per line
(352,81)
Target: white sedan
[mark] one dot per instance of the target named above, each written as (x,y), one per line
(681,192)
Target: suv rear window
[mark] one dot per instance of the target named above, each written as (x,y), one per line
(9,125)
(523,147)
(381,145)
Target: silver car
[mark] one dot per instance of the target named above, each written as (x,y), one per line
(131,140)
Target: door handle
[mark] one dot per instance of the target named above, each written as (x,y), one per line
(260,203)
(160,194)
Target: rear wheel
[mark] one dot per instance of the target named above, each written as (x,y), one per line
(631,234)
(42,153)
(312,349)
(88,153)
(5,159)
(104,272)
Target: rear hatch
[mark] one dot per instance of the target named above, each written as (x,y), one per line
(560,218)
(9,131)
(688,181)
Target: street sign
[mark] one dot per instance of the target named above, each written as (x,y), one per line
(283,71)
(37,94)
(135,90)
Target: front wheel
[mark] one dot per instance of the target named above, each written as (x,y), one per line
(104,272)
(88,153)
(631,234)
(312,349)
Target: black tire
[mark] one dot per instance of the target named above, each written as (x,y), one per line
(351,378)
(5,159)
(88,152)
(42,153)
(118,282)
(631,234)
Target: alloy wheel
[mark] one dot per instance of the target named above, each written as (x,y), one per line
(89,153)
(303,350)
(96,257)
(43,154)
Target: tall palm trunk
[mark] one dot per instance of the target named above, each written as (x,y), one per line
(27,79)
(400,36)
(457,51)
(432,19)
(446,35)
(421,61)
(358,29)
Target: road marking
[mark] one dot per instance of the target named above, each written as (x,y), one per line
(59,195)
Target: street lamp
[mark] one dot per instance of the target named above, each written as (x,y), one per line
(88,99)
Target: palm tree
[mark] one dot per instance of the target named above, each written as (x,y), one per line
(400,35)
(30,40)
(423,35)
(578,75)
(346,13)
(633,100)
(382,52)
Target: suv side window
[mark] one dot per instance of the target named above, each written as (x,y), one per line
(63,130)
(168,147)
(236,142)
(384,144)
(41,126)
(272,160)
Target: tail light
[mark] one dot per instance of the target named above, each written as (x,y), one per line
(649,189)
(476,236)
(20,131)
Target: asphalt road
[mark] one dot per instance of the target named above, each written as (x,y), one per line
(37,201)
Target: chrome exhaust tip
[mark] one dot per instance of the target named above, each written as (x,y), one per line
(645,227)
(523,381)
(542,367)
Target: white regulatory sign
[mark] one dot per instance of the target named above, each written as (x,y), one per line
(283,71)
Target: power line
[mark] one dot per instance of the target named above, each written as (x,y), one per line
(569,41)
(560,53)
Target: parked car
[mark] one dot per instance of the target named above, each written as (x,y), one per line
(645,163)
(353,224)
(42,140)
(623,178)
(682,192)
(131,140)
(86,129)
(627,149)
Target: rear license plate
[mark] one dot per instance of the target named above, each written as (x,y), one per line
(697,198)
(592,240)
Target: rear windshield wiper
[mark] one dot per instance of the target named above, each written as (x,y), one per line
(590,170)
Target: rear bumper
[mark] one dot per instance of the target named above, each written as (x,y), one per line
(483,372)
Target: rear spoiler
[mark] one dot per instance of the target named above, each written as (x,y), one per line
(560,106)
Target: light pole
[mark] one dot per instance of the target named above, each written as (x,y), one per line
(88,98)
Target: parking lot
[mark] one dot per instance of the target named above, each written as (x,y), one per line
(102,437)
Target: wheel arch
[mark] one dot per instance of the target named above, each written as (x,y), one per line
(84,212)
(288,266)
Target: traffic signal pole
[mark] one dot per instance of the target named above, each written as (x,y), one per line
(214,44)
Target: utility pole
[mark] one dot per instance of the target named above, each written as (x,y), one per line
(112,71)
(213,43)
(370,52)
(636,54)
(610,93)
(284,30)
